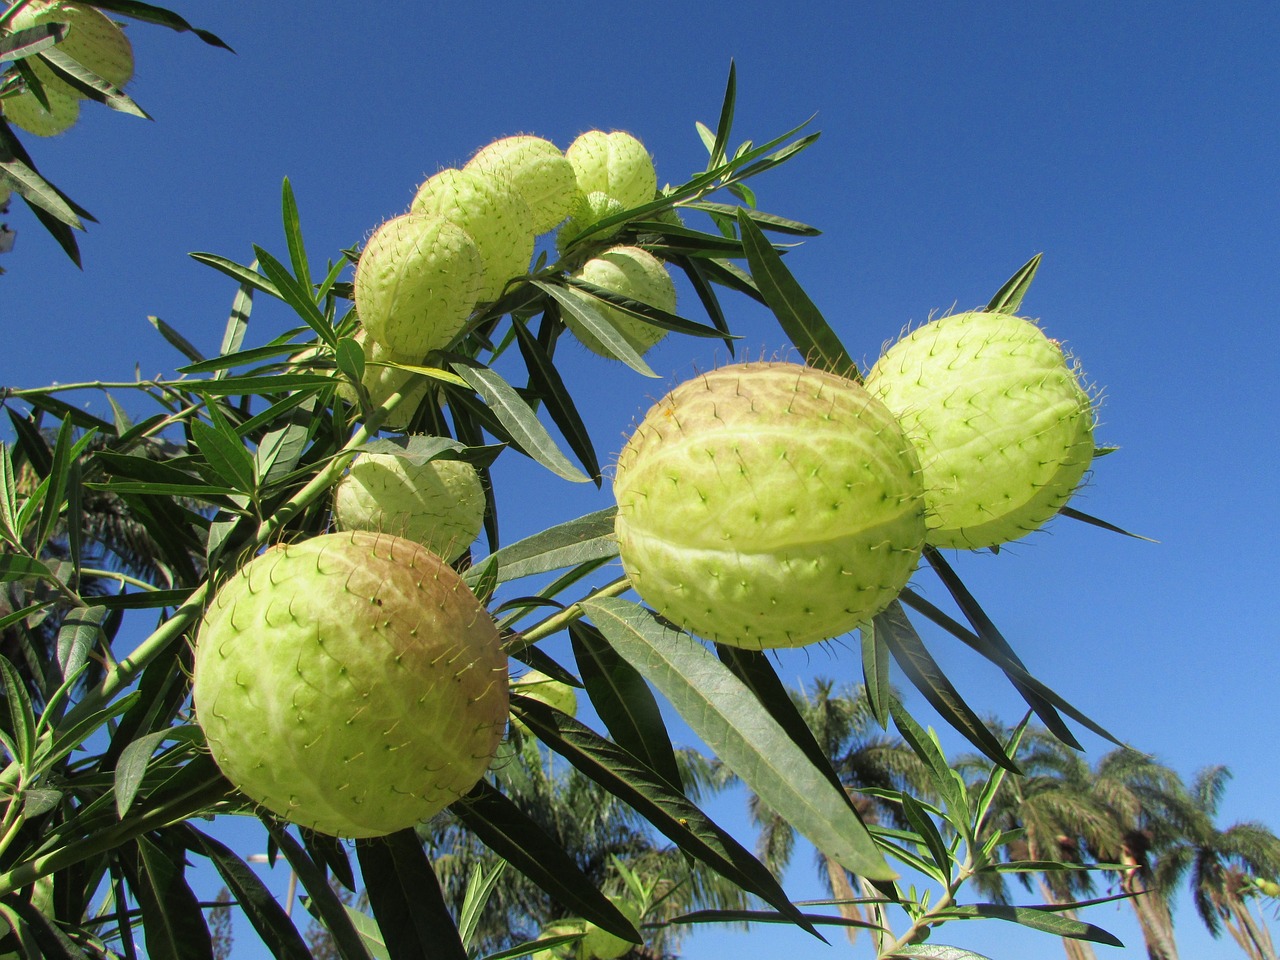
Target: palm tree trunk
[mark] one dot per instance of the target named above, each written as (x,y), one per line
(1152,912)
(1252,937)
(841,889)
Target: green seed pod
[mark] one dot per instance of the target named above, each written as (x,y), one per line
(1002,426)
(495,216)
(351,683)
(632,273)
(600,944)
(538,171)
(382,381)
(536,685)
(25,111)
(93,39)
(417,281)
(613,163)
(768,505)
(438,503)
(590,210)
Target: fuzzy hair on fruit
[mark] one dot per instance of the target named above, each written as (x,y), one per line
(539,172)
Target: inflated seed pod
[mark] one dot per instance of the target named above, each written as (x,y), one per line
(539,172)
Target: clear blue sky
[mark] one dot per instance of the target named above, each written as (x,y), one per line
(1133,144)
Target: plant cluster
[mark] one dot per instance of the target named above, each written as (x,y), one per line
(306,502)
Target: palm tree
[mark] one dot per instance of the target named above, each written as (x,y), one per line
(863,756)
(1221,864)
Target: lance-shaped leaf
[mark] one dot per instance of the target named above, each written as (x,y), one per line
(518,839)
(1009,297)
(518,418)
(1036,918)
(172,922)
(406,899)
(799,318)
(935,951)
(545,378)
(671,813)
(89,84)
(567,544)
(259,904)
(1075,514)
(722,711)
(165,18)
(324,904)
(598,325)
(624,702)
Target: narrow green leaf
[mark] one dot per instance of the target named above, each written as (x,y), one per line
(172,922)
(589,537)
(479,888)
(766,221)
(926,748)
(297,296)
(39,936)
(720,145)
(273,925)
(224,363)
(281,448)
(89,84)
(518,418)
(1037,919)
(720,709)
(54,501)
(22,718)
(545,378)
(695,271)
(406,899)
(990,636)
(769,916)
(647,313)
(80,633)
(930,838)
(293,235)
(177,340)
(518,839)
(165,18)
(799,318)
(935,951)
(598,325)
(324,904)
(247,276)
(264,385)
(238,320)
(131,767)
(923,671)
(14,566)
(1075,514)
(225,452)
(1009,297)
(8,498)
(39,193)
(875,673)
(370,935)
(624,702)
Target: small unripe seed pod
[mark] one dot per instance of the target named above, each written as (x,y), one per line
(539,172)
(350,683)
(768,505)
(438,503)
(417,281)
(589,211)
(536,685)
(632,273)
(489,209)
(1001,424)
(613,163)
(600,944)
(382,381)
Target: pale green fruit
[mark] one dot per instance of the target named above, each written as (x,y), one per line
(632,273)
(1002,426)
(382,381)
(439,503)
(616,164)
(536,685)
(589,211)
(600,944)
(350,683)
(539,172)
(768,505)
(417,281)
(492,212)
(562,928)
(25,111)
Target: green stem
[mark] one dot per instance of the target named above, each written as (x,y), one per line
(561,619)
(120,577)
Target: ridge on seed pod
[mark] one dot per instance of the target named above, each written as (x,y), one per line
(999,419)
(350,683)
(632,273)
(616,164)
(493,214)
(416,283)
(438,503)
(538,171)
(768,505)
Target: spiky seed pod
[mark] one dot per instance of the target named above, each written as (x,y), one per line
(417,281)
(25,111)
(589,211)
(536,685)
(539,172)
(382,381)
(1001,423)
(632,273)
(351,683)
(438,503)
(768,505)
(492,212)
(613,163)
